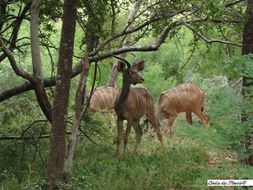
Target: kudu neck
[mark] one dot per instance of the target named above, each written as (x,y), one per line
(123,95)
(125,87)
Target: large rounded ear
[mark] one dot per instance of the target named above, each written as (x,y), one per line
(139,66)
(121,66)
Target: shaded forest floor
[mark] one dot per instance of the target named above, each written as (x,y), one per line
(192,156)
(186,161)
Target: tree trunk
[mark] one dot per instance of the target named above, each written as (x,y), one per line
(34,31)
(38,83)
(55,164)
(247,48)
(80,93)
(3,15)
(91,41)
(42,99)
(132,14)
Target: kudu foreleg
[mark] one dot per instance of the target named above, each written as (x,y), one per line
(202,117)
(156,126)
(189,117)
(169,131)
(119,136)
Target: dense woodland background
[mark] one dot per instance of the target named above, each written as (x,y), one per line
(208,43)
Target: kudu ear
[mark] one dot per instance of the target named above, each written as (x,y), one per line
(139,66)
(121,66)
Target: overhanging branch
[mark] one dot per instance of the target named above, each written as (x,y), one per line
(15,30)
(210,41)
(151,47)
(13,63)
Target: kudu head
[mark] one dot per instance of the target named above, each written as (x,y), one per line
(130,73)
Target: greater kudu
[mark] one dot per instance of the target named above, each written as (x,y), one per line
(186,98)
(133,103)
(103,99)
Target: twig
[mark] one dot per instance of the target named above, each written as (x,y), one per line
(16,138)
(31,124)
(87,136)
(208,40)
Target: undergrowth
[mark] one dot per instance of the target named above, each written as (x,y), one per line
(186,161)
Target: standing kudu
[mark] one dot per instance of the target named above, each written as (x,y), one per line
(103,99)
(133,103)
(183,98)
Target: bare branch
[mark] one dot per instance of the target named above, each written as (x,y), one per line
(31,125)
(46,136)
(16,28)
(34,34)
(234,3)
(134,29)
(77,68)
(210,41)
(20,72)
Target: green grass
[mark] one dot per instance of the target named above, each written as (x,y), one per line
(184,162)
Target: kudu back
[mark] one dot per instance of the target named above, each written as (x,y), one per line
(133,103)
(186,98)
(103,99)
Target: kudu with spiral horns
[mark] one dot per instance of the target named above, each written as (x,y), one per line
(133,103)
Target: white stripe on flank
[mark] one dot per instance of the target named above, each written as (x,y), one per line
(137,97)
(111,98)
(179,98)
(167,94)
(102,97)
(107,102)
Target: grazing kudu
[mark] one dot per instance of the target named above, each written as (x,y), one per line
(133,103)
(186,98)
(103,99)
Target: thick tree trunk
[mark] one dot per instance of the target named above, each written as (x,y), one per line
(55,164)
(132,14)
(247,48)
(91,40)
(3,15)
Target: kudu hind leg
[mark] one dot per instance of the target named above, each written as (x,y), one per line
(169,131)
(138,133)
(189,117)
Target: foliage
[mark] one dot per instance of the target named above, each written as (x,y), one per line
(192,156)
(153,78)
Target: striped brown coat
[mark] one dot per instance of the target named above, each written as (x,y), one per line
(183,98)
(139,102)
(103,99)
(133,103)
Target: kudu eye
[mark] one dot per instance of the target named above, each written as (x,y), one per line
(131,72)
